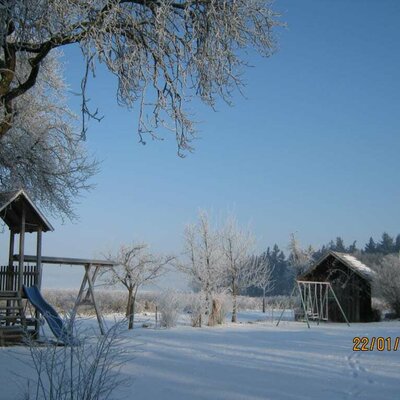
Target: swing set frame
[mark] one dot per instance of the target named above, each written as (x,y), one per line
(314,298)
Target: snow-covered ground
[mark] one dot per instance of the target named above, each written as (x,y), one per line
(254,360)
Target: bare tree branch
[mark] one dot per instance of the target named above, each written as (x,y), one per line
(137,266)
(162,52)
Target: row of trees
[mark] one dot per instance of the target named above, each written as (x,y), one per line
(285,266)
(222,259)
(386,245)
(216,260)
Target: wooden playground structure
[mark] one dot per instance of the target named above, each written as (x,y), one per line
(24,272)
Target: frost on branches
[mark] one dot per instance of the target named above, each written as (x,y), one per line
(41,151)
(163,52)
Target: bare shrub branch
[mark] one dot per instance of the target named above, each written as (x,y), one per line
(89,371)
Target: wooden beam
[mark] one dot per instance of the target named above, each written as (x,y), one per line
(68,261)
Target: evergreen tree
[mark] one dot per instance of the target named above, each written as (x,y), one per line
(320,252)
(386,246)
(331,246)
(352,248)
(370,247)
(397,244)
(281,274)
(339,246)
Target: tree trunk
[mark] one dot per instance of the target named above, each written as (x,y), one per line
(128,303)
(129,308)
(234,294)
(131,316)
(263,300)
(206,311)
(132,310)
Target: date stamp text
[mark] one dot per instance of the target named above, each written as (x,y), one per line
(378,343)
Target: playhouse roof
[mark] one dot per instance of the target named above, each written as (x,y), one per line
(350,261)
(11,204)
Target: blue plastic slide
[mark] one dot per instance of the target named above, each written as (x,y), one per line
(54,321)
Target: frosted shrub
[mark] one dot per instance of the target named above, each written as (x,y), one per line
(89,370)
(170,306)
(245,303)
(194,307)
(109,301)
(221,304)
(226,306)
(387,282)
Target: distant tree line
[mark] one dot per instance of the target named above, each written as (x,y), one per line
(283,273)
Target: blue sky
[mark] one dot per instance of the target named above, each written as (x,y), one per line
(312,149)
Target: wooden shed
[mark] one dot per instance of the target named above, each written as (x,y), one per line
(351,281)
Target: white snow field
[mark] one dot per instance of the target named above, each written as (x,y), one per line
(245,361)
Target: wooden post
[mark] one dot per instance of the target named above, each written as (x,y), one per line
(303,303)
(340,307)
(10,272)
(10,277)
(284,309)
(77,302)
(21,249)
(94,277)
(91,288)
(87,280)
(38,277)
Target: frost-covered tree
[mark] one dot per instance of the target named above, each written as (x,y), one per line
(237,245)
(299,259)
(262,271)
(387,281)
(42,151)
(137,266)
(203,260)
(162,52)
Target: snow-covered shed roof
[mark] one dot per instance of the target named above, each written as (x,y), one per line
(350,261)
(356,265)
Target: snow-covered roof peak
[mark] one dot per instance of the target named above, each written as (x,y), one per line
(355,264)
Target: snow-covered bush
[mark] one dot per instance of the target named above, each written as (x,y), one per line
(170,306)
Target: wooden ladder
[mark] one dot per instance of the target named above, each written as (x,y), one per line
(12,318)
